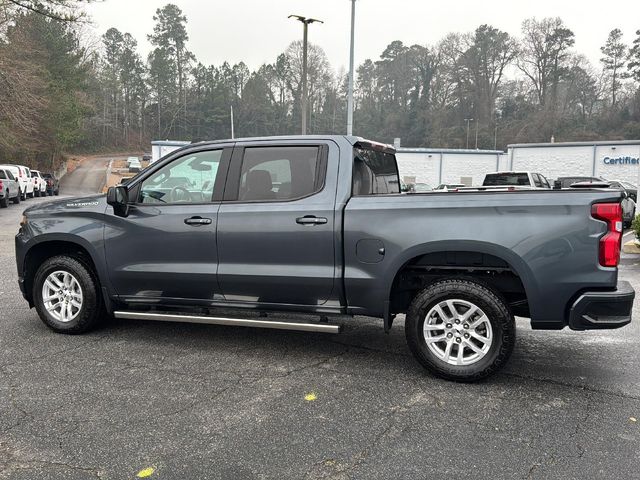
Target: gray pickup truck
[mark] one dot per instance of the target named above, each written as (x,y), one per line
(237,232)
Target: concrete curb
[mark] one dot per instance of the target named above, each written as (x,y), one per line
(632,246)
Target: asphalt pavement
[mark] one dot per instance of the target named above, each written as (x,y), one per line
(199,402)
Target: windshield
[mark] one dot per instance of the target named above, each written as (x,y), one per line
(496,179)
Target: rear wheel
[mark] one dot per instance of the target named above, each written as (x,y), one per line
(66,295)
(460,330)
(16,199)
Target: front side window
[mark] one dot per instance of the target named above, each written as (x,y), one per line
(188,179)
(374,173)
(279,173)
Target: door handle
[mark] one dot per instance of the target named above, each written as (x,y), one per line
(311,220)
(197,221)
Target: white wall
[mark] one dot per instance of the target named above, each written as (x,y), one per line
(614,171)
(455,166)
(554,162)
(425,167)
(569,160)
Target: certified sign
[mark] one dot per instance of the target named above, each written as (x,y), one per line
(622,160)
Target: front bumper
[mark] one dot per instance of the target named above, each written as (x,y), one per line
(603,309)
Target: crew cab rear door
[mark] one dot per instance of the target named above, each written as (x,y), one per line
(164,251)
(276,240)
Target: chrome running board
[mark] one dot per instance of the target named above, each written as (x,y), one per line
(236,322)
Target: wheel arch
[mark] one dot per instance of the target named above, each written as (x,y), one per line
(53,245)
(514,262)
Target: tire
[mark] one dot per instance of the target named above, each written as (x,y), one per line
(23,196)
(497,324)
(30,195)
(4,202)
(16,199)
(82,318)
(56,193)
(36,193)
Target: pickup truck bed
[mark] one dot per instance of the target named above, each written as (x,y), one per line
(317,225)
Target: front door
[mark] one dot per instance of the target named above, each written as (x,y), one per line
(276,226)
(165,251)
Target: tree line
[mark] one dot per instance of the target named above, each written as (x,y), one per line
(61,91)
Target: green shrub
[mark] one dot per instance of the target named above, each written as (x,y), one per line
(636,226)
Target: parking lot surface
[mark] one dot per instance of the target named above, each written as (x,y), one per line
(199,402)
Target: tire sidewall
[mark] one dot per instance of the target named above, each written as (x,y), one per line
(500,318)
(90,310)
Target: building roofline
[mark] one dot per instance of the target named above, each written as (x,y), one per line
(170,143)
(575,144)
(463,151)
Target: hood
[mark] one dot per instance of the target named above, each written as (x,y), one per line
(90,203)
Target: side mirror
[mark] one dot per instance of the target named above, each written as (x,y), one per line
(118,198)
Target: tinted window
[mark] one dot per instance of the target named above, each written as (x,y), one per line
(279,173)
(188,179)
(10,175)
(374,173)
(498,179)
(2,175)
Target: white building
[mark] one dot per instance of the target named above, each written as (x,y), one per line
(613,160)
(159,148)
(445,165)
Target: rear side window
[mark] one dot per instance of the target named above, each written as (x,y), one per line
(374,173)
(2,175)
(280,173)
(536,180)
(10,175)
(500,179)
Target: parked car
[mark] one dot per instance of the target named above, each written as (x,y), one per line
(630,188)
(628,204)
(21,173)
(530,180)
(134,164)
(445,187)
(420,187)
(9,188)
(146,157)
(329,244)
(40,183)
(566,182)
(53,184)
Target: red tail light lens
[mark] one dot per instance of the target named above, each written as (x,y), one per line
(610,243)
(1,185)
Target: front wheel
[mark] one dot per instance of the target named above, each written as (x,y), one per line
(66,295)
(460,330)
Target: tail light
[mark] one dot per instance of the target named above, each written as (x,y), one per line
(610,243)
(1,185)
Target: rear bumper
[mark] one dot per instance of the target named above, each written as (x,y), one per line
(603,309)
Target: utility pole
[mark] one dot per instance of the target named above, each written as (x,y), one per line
(305,21)
(476,134)
(468,120)
(351,73)
(232,133)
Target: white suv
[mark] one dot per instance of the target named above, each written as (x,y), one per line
(23,177)
(39,183)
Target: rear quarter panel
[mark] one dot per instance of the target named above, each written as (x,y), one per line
(548,238)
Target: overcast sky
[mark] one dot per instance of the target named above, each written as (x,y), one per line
(256,31)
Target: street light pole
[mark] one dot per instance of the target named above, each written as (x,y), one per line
(351,73)
(303,103)
(468,120)
(476,134)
